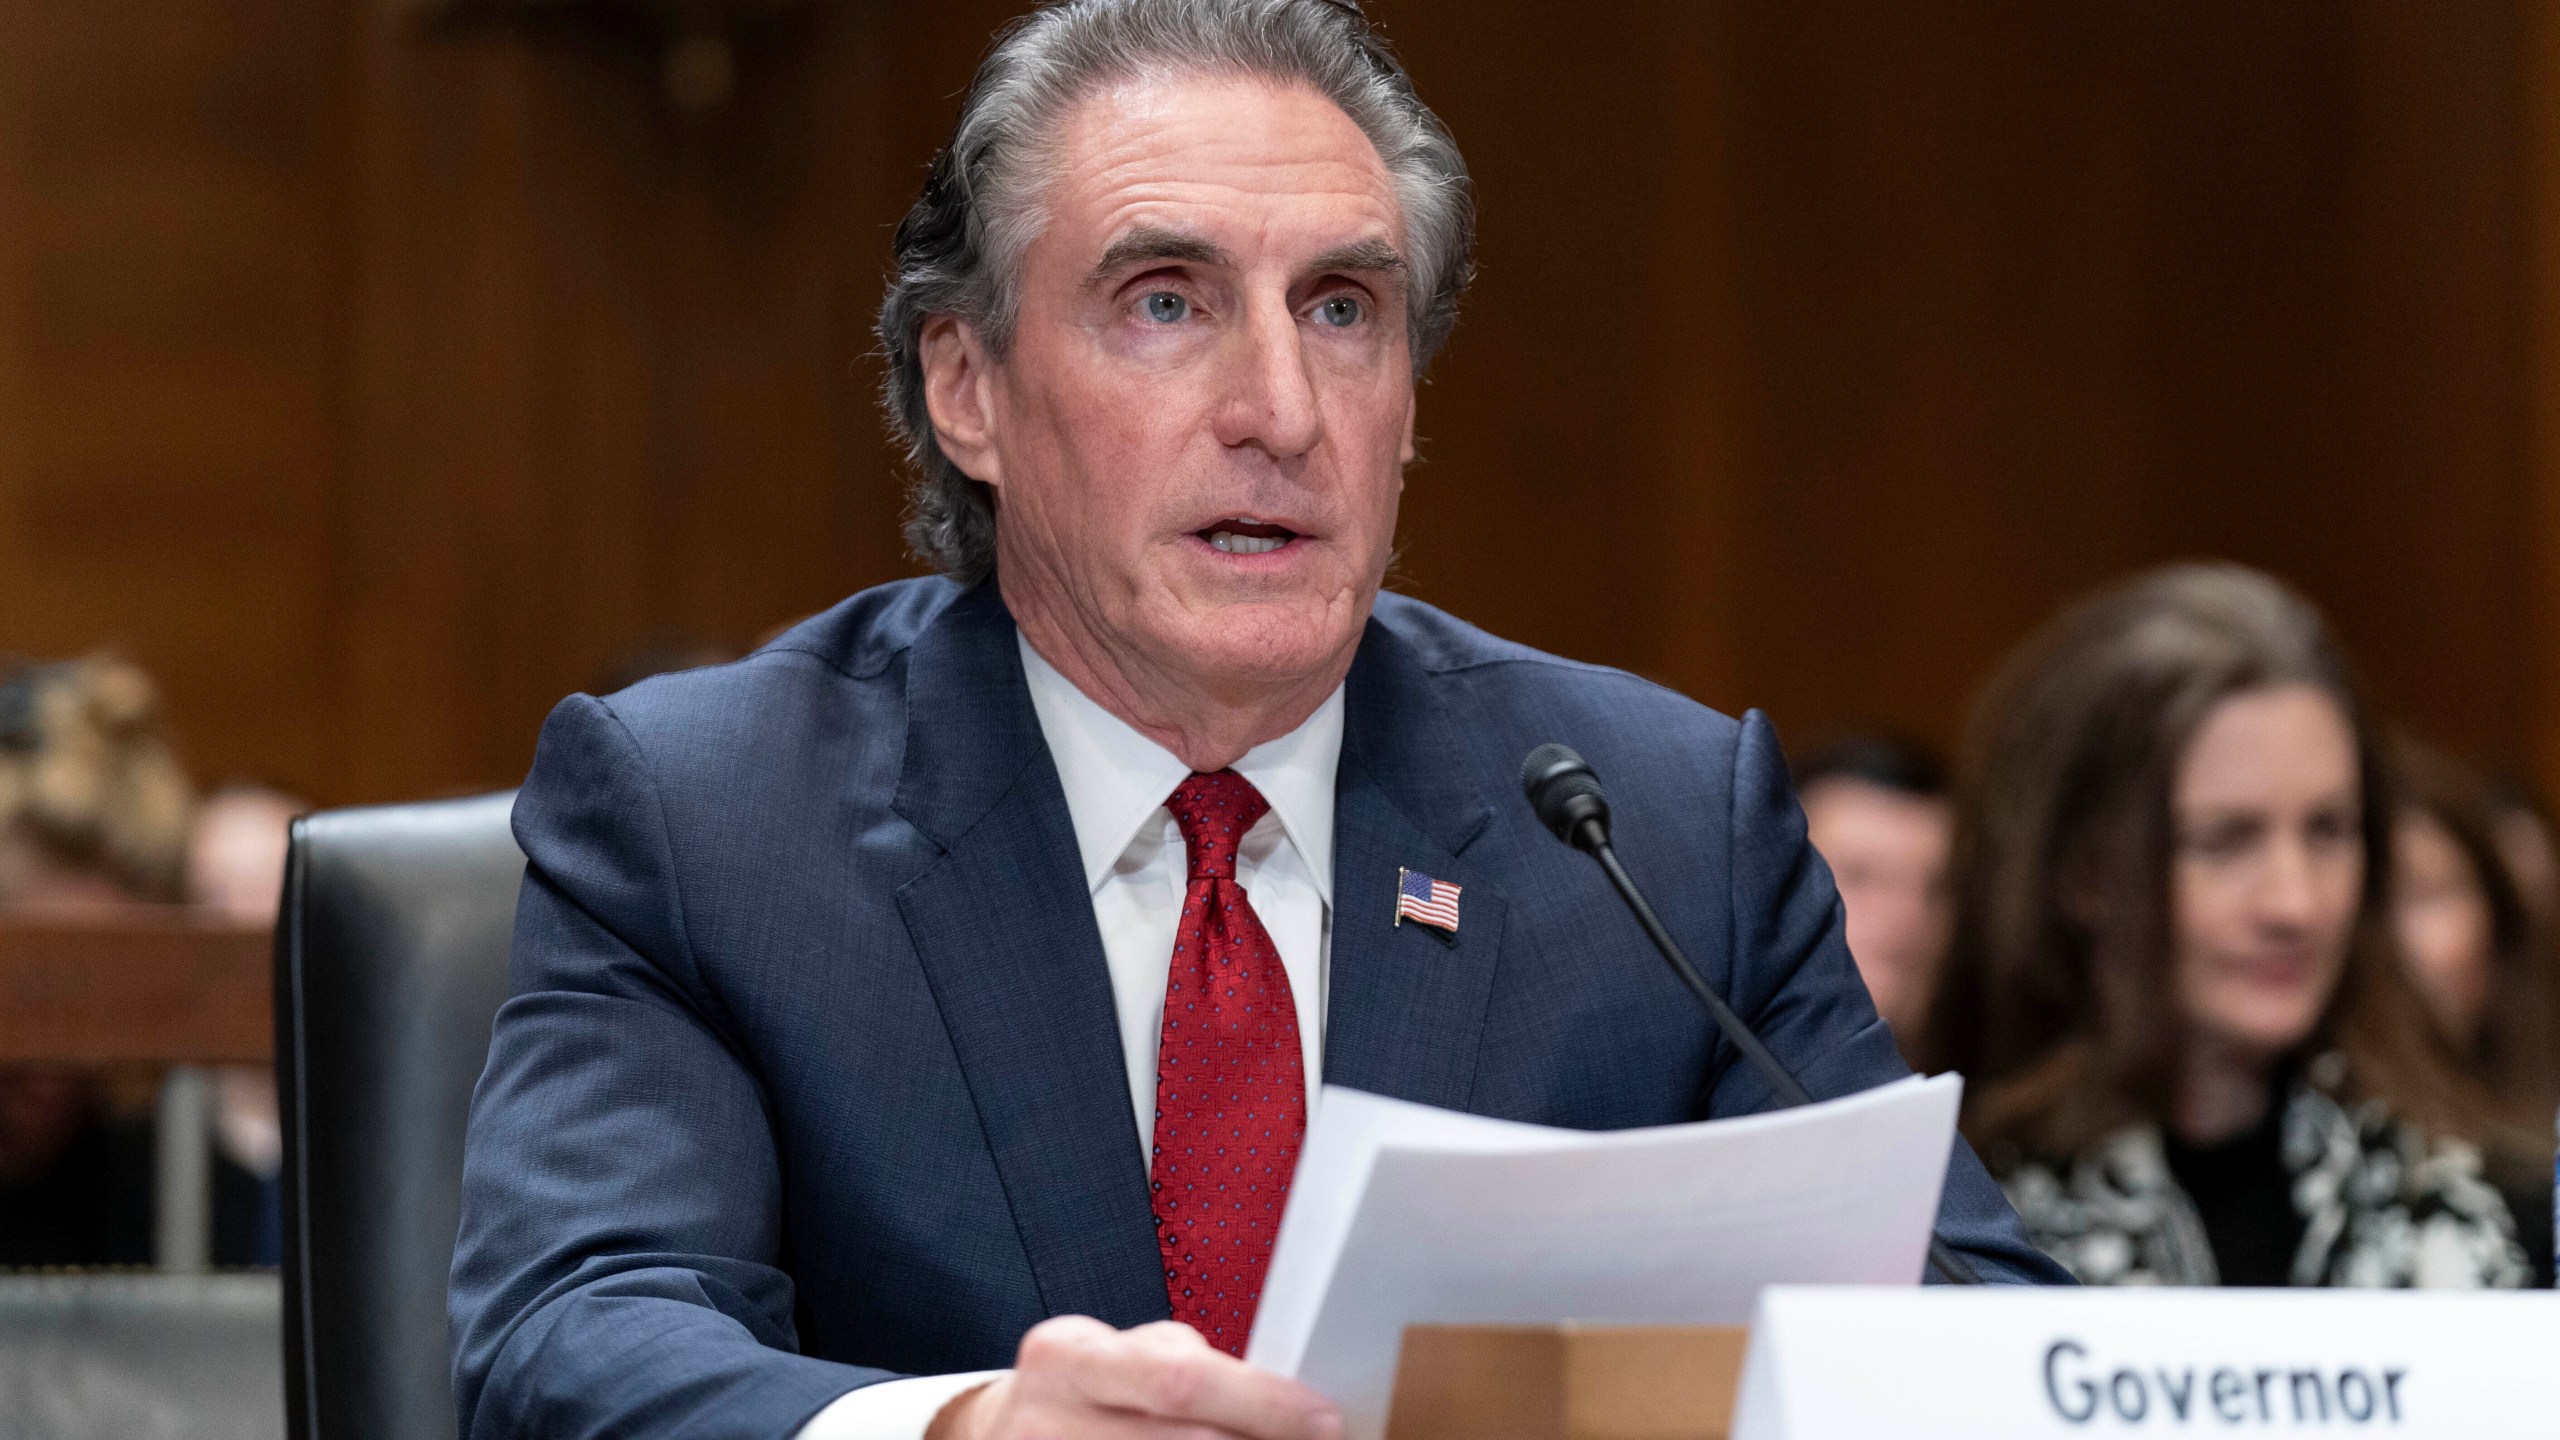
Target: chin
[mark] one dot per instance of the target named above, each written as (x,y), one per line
(2272,1030)
(1266,640)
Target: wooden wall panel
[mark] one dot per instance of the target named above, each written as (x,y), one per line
(1537,511)
(1990,304)
(2536,635)
(167,304)
(376,380)
(610,379)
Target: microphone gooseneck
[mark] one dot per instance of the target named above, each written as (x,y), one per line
(1567,796)
(1569,801)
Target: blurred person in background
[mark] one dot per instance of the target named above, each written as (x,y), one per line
(1878,811)
(235,870)
(94,811)
(2532,858)
(2483,967)
(236,850)
(2466,936)
(2191,1053)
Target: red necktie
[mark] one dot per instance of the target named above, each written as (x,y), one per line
(1231,1090)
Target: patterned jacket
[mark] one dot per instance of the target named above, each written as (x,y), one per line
(2383,1207)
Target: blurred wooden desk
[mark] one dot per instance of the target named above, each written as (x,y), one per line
(1567,1382)
(149,984)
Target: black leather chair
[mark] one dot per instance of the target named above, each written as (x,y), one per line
(391,959)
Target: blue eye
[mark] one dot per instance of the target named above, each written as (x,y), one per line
(1166,308)
(1341,310)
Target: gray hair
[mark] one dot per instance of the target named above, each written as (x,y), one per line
(957,251)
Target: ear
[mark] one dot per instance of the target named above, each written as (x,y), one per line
(959,396)
(1412,407)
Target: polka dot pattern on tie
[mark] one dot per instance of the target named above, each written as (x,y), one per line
(1231,1090)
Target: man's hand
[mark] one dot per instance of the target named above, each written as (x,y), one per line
(1079,1379)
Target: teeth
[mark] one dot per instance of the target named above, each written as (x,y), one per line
(1234,544)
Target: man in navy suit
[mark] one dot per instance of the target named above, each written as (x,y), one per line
(891,1006)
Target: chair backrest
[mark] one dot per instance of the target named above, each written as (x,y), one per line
(391,960)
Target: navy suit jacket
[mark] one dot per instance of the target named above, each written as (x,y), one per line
(811,1075)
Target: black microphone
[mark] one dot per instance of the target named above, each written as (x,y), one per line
(1569,801)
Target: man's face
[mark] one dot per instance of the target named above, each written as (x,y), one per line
(1197,439)
(1888,852)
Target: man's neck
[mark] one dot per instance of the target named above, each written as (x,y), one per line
(1209,723)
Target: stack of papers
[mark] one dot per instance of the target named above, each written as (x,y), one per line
(1402,1214)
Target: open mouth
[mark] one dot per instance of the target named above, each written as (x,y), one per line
(1240,536)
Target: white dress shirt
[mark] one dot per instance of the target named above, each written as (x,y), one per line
(1117,781)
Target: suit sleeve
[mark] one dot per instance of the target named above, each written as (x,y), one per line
(1794,981)
(617,1271)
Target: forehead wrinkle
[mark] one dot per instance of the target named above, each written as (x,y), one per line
(1136,145)
(1145,108)
(1163,221)
(1185,152)
(1122,198)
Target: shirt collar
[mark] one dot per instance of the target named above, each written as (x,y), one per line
(1117,779)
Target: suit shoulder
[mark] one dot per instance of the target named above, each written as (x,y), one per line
(808,665)
(860,635)
(1501,675)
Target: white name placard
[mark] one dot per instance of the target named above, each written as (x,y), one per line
(1833,1363)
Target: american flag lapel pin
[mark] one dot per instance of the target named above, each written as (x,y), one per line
(1428,901)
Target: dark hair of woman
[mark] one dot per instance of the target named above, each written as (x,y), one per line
(2056,1004)
(2512,1052)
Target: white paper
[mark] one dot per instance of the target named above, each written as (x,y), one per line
(1401,1214)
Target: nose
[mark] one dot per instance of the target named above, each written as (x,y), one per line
(2289,898)
(1270,402)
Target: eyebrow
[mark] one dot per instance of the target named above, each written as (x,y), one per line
(1374,256)
(1150,244)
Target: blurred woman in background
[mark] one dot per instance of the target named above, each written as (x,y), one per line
(2190,1051)
(2481,961)
(2523,833)
(94,811)
(2469,943)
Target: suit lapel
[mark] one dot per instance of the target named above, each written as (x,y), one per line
(1406,1005)
(1004,928)
(1005,931)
